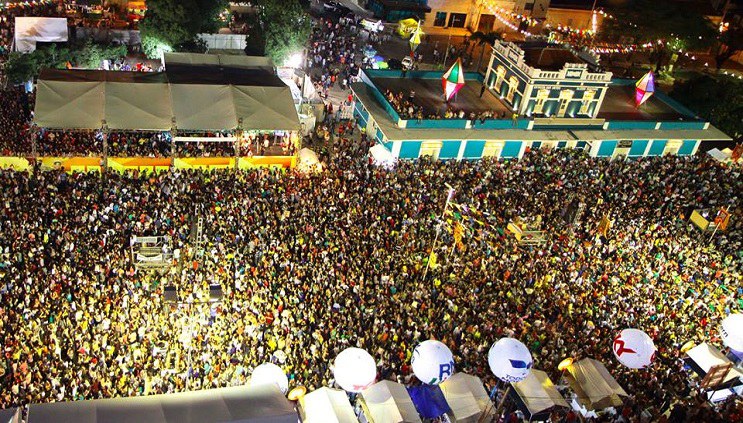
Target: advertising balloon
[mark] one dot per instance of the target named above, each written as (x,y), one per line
(269,373)
(510,360)
(354,370)
(634,348)
(731,331)
(432,362)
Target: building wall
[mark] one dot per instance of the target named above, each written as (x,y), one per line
(442,12)
(570,92)
(574,18)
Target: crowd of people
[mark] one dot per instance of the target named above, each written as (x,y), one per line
(409,109)
(312,265)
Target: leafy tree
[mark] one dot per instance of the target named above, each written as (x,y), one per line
(171,25)
(22,67)
(717,98)
(286,27)
(731,42)
(484,39)
(648,21)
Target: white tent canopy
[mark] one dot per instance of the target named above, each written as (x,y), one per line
(259,404)
(381,155)
(30,30)
(189,97)
(467,398)
(706,356)
(389,402)
(327,405)
(595,387)
(538,393)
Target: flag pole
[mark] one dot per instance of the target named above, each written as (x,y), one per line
(449,197)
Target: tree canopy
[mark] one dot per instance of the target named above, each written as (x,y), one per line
(667,25)
(22,67)
(717,98)
(286,28)
(171,25)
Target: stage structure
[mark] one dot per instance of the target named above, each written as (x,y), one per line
(198,98)
(152,252)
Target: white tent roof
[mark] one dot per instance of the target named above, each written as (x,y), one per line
(389,402)
(538,392)
(706,356)
(466,397)
(259,404)
(381,155)
(193,97)
(327,405)
(595,386)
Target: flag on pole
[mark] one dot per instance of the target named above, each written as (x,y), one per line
(645,88)
(604,226)
(453,80)
(415,40)
(432,259)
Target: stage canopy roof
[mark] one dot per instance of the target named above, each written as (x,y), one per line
(259,404)
(191,97)
(595,387)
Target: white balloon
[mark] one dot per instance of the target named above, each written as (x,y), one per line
(269,373)
(510,360)
(634,348)
(354,370)
(731,331)
(432,362)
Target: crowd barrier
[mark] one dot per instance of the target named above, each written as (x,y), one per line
(148,164)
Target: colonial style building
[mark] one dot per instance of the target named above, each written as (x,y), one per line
(545,81)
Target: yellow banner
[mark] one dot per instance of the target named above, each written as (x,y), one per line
(16,163)
(699,220)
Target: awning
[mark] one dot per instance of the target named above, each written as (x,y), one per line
(537,393)
(191,97)
(327,405)
(389,402)
(595,387)
(259,404)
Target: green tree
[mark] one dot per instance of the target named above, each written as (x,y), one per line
(286,28)
(483,40)
(731,42)
(172,25)
(717,98)
(650,21)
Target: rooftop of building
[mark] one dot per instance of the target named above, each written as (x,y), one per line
(548,57)
(618,104)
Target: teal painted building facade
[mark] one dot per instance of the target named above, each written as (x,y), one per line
(462,139)
(572,91)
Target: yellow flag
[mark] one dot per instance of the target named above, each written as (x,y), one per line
(432,260)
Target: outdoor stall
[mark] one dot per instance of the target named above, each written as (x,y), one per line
(326,405)
(593,385)
(536,396)
(388,402)
(467,398)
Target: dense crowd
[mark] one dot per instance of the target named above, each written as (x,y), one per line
(311,265)
(408,108)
